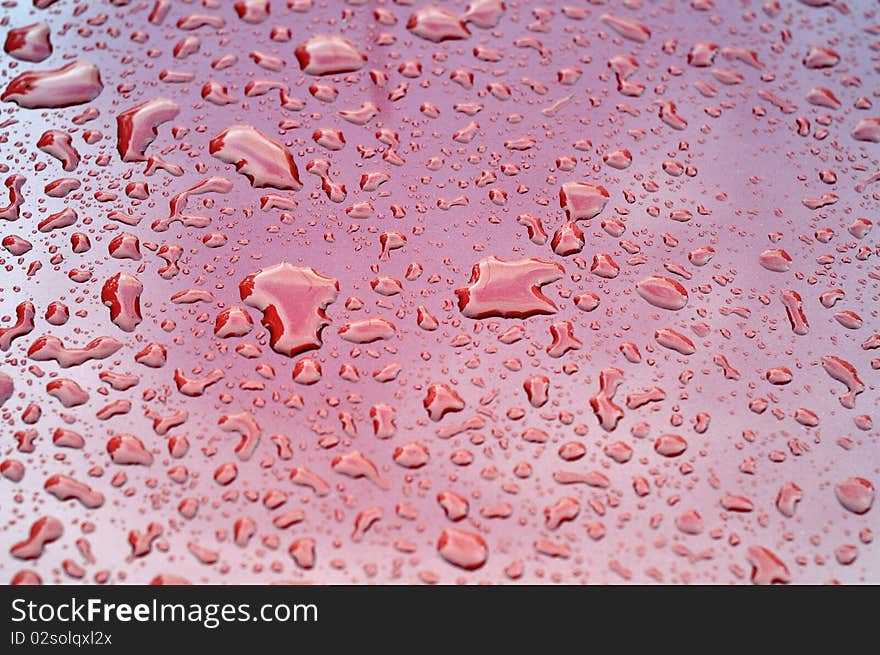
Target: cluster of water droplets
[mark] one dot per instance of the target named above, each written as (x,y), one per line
(466,291)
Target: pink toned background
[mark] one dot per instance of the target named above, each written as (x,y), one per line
(752,173)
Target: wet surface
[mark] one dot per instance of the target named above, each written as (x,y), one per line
(401,292)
